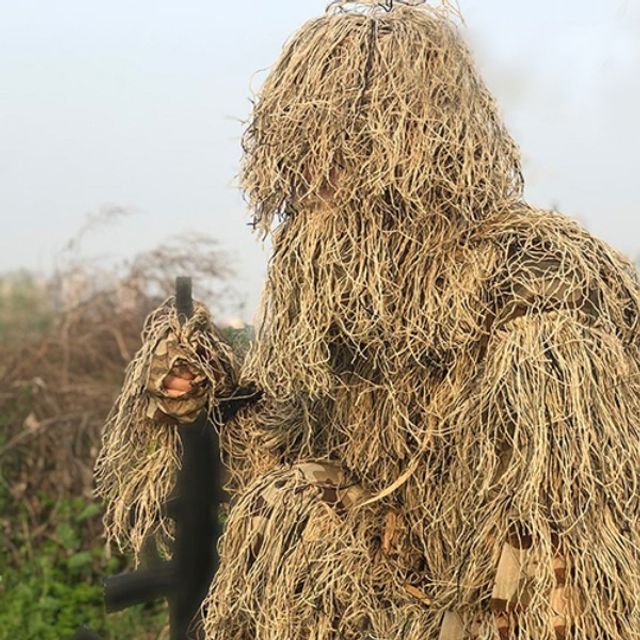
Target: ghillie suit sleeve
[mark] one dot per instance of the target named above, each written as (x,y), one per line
(261,437)
(302,558)
(542,496)
(137,465)
(559,415)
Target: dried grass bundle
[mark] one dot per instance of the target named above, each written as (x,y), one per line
(140,456)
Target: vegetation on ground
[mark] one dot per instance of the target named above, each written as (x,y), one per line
(64,344)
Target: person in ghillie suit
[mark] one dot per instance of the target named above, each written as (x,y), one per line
(448,445)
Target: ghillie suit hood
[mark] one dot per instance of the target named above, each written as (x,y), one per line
(375,144)
(386,109)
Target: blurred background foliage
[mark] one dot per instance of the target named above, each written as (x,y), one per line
(64,343)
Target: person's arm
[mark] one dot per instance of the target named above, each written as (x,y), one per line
(179,372)
(556,442)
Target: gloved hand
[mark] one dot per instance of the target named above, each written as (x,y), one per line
(177,390)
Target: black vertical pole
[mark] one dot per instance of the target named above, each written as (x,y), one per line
(197,528)
(186,579)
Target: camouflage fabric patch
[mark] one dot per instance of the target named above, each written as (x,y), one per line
(169,357)
(517,568)
(304,483)
(452,627)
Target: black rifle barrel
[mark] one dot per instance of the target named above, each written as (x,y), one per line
(198,489)
(128,589)
(184,299)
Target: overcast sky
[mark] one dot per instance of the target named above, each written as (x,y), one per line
(139,105)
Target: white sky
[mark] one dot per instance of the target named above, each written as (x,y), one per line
(138,104)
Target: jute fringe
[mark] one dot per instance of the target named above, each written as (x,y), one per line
(137,466)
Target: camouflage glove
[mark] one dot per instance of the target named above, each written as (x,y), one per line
(169,359)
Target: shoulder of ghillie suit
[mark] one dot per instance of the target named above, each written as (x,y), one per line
(549,263)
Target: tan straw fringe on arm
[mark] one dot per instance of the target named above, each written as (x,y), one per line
(137,465)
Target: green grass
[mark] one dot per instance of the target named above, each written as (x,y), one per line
(48,591)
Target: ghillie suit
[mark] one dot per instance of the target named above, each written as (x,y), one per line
(448,444)
(470,362)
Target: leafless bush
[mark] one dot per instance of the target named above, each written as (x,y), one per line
(58,383)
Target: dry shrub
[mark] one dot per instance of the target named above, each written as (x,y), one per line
(58,384)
